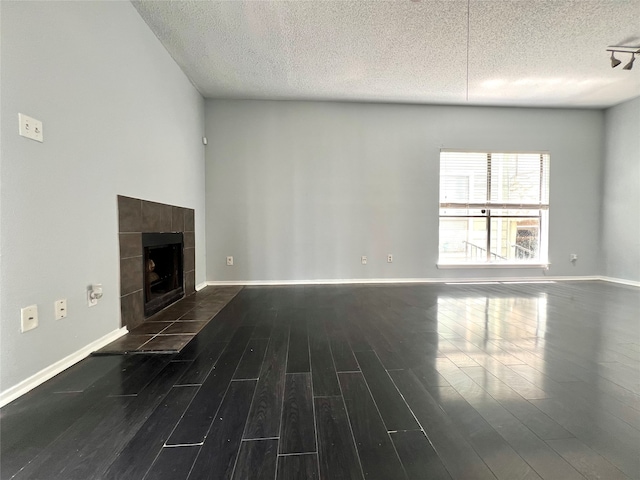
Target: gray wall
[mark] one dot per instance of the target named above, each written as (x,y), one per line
(300,190)
(120,117)
(621,197)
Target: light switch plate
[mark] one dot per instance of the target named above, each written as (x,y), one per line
(30,127)
(28,318)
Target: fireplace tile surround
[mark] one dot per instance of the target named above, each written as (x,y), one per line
(136,216)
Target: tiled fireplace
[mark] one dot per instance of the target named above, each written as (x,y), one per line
(136,217)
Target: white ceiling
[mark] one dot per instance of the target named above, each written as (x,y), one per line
(468,52)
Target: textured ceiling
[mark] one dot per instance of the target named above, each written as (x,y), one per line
(494,52)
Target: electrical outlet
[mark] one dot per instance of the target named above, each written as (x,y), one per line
(61,308)
(28,318)
(363,259)
(30,127)
(230,261)
(389,258)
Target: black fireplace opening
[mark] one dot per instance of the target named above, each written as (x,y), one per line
(163,270)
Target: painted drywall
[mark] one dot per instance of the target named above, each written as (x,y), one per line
(621,192)
(120,117)
(300,190)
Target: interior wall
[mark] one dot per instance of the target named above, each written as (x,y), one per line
(300,190)
(621,192)
(120,118)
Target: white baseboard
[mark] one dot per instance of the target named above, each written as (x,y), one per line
(51,371)
(622,281)
(200,286)
(348,281)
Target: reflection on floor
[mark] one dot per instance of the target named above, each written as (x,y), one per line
(507,381)
(171,329)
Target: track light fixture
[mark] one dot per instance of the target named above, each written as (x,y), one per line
(614,61)
(623,49)
(629,65)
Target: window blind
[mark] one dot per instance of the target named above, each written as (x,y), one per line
(494,180)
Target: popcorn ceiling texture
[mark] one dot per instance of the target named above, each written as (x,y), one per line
(530,53)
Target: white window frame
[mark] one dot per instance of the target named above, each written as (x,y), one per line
(543,215)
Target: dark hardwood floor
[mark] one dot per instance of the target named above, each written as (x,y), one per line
(438,381)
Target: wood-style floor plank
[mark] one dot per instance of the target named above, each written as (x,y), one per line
(138,455)
(298,467)
(418,456)
(543,426)
(336,448)
(172,463)
(264,323)
(393,409)
(297,433)
(429,376)
(585,460)
(97,437)
(458,456)
(376,451)
(355,335)
(500,457)
(378,338)
(198,417)
(532,449)
(257,460)
(343,357)
(202,365)
(141,376)
(325,381)
(218,454)
(252,358)
(27,432)
(100,420)
(298,358)
(583,393)
(264,416)
(619,447)
(84,374)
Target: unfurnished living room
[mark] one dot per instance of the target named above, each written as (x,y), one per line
(320,239)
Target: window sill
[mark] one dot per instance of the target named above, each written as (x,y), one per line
(543,266)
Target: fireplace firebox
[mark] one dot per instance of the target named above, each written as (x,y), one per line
(163,270)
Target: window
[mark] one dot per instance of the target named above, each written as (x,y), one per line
(493,208)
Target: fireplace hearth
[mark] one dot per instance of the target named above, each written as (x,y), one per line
(163,270)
